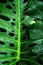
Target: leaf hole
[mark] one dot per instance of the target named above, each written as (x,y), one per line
(13,4)
(11,34)
(13,19)
(14,12)
(2,30)
(4,18)
(11,45)
(12,54)
(4,53)
(5,62)
(8,6)
(16,38)
(12,23)
(2,43)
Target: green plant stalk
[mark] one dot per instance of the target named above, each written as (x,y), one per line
(18,16)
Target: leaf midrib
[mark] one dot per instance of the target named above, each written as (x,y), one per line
(18,19)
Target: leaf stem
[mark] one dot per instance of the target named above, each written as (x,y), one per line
(18,16)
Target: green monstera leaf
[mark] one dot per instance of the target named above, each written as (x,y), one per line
(11,15)
(21,33)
